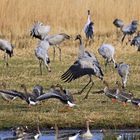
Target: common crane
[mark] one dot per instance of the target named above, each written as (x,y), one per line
(86,64)
(58,92)
(89,28)
(55,41)
(129,29)
(123,71)
(107,51)
(7,47)
(41,52)
(39,30)
(136,41)
(118,23)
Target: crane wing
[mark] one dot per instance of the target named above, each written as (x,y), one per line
(78,69)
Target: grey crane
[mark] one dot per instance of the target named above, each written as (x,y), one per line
(30,98)
(118,23)
(107,51)
(89,28)
(55,41)
(7,47)
(41,52)
(123,71)
(59,93)
(129,29)
(39,30)
(86,64)
(136,41)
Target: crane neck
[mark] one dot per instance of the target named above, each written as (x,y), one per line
(81,48)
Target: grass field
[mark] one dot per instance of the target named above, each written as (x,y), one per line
(69,17)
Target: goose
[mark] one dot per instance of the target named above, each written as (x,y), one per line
(55,41)
(86,64)
(87,134)
(6,97)
(57,92)
(122,95)
(135,101)
(41,52)
(8,48)
(39,30)
(69,136)
(110,92)
(123,71)
(30,98)
(107,51)
(24,133)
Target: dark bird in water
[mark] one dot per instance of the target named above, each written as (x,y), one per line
(86,64)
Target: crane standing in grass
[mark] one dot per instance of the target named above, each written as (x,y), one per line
(136,41)
(86,64)
(107,51)
(123,71)
(39,30)
(7,47)
(41,52)
(89,28)
(55,41)
(118,23)
(129,29)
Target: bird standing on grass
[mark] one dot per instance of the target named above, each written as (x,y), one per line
(107,51)
(123,71)
(41,52)
(89,28)
(7,47)
(55,41)
(86,64)
(129,29)
(39,30)
(136,41)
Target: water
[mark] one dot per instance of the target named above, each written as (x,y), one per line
(97,135)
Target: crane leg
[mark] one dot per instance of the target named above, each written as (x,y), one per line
(80,92)
(92,83)
(54,53)
(6,58)
(123,37)
(59,53)
(40,66)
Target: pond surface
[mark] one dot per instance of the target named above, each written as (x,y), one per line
(97,135)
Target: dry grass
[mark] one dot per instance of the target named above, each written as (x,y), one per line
(66,16)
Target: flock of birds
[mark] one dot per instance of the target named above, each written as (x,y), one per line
(85,64)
